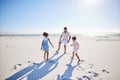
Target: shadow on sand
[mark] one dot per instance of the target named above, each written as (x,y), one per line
(44,70)
(68,72)
(34,72)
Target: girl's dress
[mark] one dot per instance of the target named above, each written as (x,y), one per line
(45,45)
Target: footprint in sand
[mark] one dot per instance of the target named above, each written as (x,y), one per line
(105,71)
(14,67)
(31,62)
(86,77)
(93,73)
(79,79)
(91,65)
(7,45)
(81,68)
(19,64)
(82,60)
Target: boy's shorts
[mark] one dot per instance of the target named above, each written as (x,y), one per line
(64,41)
(75,51)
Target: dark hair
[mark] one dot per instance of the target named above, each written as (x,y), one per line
(45,34)
(65,27)
(73,38)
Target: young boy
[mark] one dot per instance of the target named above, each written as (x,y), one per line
(75,46)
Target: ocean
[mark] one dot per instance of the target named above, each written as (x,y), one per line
(97,36)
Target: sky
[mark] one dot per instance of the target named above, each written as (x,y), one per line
(80,16)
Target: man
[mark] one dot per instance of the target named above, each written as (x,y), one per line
(64,38)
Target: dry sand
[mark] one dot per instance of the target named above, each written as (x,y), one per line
(22,59)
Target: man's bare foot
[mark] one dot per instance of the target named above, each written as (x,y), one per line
(64,52)
(57,51)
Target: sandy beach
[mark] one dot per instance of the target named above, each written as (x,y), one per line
(22,59)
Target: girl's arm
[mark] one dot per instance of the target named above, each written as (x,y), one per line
(50,42)
(41,44)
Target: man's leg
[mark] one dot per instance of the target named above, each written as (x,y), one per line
(64,49)
(59,45)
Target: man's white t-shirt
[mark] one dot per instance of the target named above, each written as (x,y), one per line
(65,35)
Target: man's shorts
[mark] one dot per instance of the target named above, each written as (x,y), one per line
(64,41)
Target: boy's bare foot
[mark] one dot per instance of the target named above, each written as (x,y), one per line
(72,58)
(78,61)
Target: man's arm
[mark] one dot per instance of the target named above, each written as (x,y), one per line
(69,39)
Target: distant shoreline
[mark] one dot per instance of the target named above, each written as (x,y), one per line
(93,34)
(24,34)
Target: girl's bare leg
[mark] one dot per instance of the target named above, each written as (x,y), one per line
(47,54)
(44,55)
(59,45)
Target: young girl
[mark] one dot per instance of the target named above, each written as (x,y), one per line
(45,45)
(75,46)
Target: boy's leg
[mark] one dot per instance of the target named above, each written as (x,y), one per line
(64,49)
(72,55)
(78,57)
